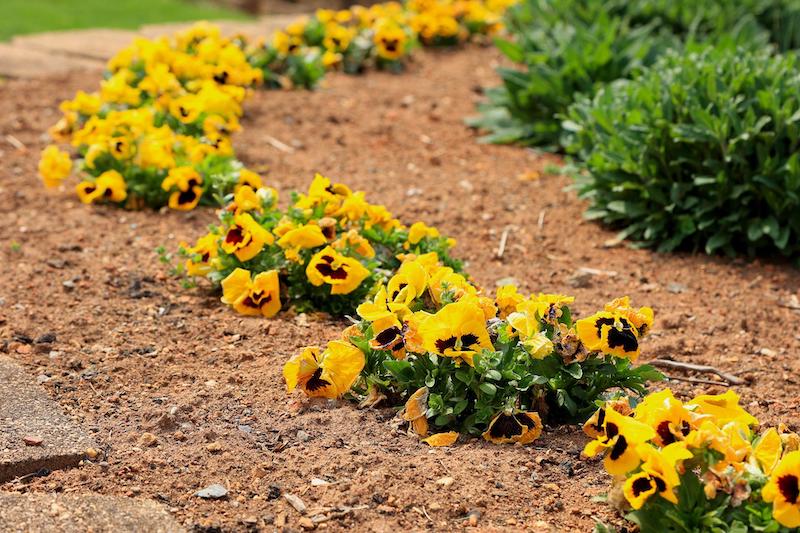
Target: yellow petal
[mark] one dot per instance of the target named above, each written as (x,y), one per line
(442,439)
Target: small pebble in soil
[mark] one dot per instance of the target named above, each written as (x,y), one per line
(212,492)
(676,288)
(148,439)
(472,518)
(295,501)
(32,440)
(302,436)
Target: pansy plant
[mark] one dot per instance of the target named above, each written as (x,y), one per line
(326,251)
(453,359)
(701,463)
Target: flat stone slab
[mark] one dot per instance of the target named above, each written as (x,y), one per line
(28,414)
(97,44)
(34,513)
(18,62)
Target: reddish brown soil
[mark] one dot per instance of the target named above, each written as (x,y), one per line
(136,353)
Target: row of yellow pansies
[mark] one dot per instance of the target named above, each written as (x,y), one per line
(697,461)
(457,359)
(158,130)
(324,252)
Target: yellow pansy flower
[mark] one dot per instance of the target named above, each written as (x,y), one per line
(256,296)
(328,374)
(344,274)
(390,41)
(508,427)
(246,237)
(609,333)
(54,166)
(207,250)
(109,185)
(722,408)
(783,490)
(458,330)
(619,440)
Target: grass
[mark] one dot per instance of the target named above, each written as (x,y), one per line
(31,16)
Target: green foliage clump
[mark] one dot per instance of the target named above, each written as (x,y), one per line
(701,151)
(775,21)
(567,48)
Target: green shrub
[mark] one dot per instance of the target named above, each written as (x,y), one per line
(701,151)
(567,47)
(779,20)
(571,47)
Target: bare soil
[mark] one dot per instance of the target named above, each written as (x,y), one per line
(135,353)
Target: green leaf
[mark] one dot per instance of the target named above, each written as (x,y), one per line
(494,375)
(488,389)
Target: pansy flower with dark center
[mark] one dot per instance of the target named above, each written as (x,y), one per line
(329,374)
(120,147)
(185,182)
(109,186)
(594,426)
(508,427)
(390,41)
(547,307)
(642,318)
(202,255)
(621,435)
(246,237)
(323,192)
(783,490)
(186,109)
(256,296)
(344,274)
(667,415)
(659,475)
(609,333)
(458,330)
(408,284)
(388,335)
(337,37)
(251,179)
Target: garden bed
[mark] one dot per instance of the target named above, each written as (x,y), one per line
(134,354)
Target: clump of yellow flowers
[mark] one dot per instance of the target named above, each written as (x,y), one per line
(700,463)
(455,360)
(382,35)
(325,252)
(157,132)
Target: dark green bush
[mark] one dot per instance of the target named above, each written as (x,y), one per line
(567,47)
(701,151)
(712,19)
(571,47)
